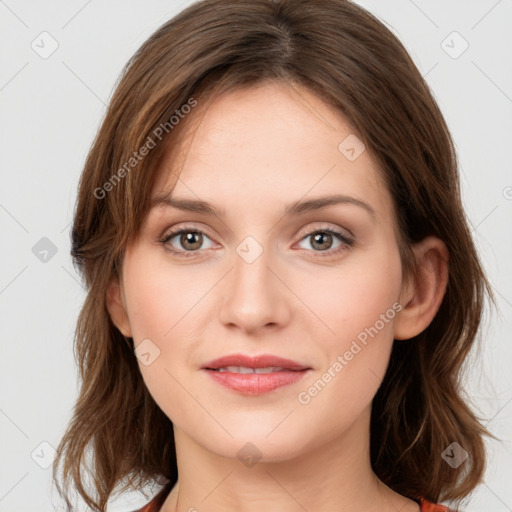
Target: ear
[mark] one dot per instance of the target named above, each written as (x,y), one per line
(423,293)
(116,306)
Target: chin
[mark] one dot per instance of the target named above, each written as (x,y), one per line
(250,445)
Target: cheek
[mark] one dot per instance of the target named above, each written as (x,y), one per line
(353,297)
(159,296)
(162,301)
(357,306)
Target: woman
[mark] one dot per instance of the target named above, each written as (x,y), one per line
(282,286)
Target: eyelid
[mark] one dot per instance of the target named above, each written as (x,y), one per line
(305,231)
(165,240)
(324,226)
(187,226)
(347,240)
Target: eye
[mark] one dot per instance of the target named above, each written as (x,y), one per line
(322,240)
(187,239)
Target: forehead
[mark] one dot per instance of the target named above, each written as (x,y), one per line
(269,141)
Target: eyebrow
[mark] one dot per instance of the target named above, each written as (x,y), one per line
(293,209)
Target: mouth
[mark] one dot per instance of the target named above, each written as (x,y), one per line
(246,363)
(255,375)
(248,369)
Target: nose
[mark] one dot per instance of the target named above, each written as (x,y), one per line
(255,296)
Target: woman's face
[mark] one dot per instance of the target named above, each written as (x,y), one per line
(266,276)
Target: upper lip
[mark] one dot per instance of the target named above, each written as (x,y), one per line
(261,361)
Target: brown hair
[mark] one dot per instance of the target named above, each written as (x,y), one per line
(353,62)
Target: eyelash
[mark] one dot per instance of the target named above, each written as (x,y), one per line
(347,242)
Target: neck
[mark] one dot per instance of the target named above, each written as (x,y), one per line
(333,476)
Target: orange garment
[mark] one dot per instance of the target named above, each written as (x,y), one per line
(156,503)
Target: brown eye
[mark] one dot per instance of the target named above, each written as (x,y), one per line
(185,240)
(322,241)
(191,240)
(327,240)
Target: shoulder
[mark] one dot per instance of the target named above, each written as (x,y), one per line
(156,503)
(427,506)
(149,507)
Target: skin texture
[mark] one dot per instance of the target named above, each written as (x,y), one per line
(253,152)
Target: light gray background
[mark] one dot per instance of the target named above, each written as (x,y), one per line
(51,109)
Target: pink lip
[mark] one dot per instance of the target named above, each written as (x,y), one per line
(262,361)
(256,384)
(252,383)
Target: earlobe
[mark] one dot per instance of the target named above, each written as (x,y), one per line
(117,308)
(422,295)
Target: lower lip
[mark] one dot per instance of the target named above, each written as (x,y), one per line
(256,383)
